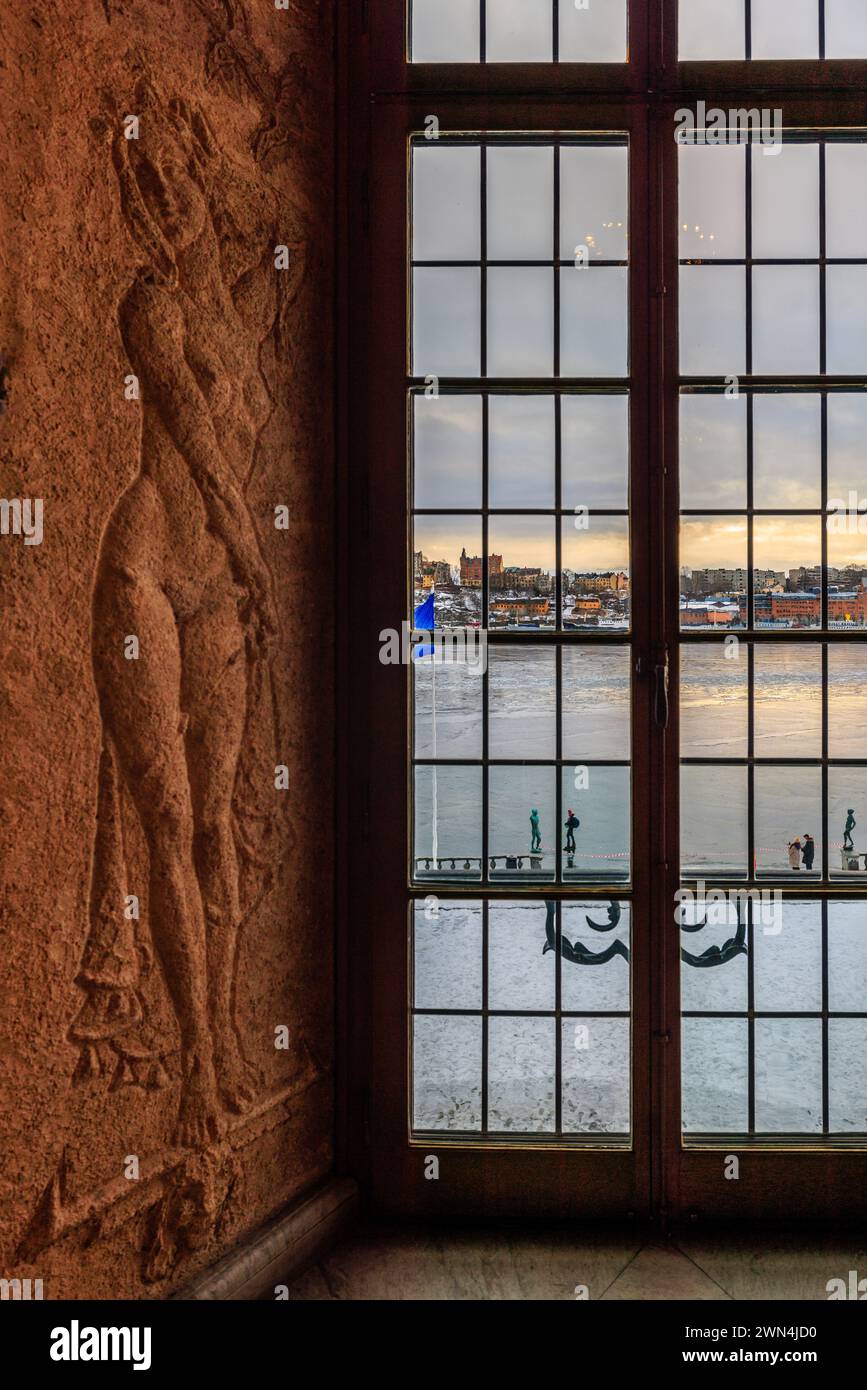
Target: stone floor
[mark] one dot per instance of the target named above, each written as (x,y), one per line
(467,1262)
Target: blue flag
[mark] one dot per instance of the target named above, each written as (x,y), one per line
(424,621)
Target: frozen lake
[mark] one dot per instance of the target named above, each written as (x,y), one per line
(595,682)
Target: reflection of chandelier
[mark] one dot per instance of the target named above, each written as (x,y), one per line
(576,951)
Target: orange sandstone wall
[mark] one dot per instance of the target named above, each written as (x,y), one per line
(166,643)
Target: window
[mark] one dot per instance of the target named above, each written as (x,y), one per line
(719,29)
(616,424)
(518,31)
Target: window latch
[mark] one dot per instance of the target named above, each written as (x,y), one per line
(656,665)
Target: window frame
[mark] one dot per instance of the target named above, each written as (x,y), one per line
(387,100)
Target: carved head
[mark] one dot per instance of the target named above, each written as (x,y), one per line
(172,198)
(163,175)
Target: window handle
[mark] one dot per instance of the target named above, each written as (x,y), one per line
(656,665)
(660,702)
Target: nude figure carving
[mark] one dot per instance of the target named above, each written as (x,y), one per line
(181,567)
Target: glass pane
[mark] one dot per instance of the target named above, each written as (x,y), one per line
(847,1077)
(446,549)
(520,321)
(847,821)
(847,957)
(593,321)
(713,701)
(448,822)
(522,449)
(788,811)
(713,821)
(593,33)
(521,1070)
(522,562)
(447,1073)
(712,320)
(785,211)
(845,29)
(713,571)
(715,1069)
(522,831)
(788,546)
(520,195)
(847,571)
(598,798)
(519,974)
(709,29)
(595,1055)
(846,197)
(522,696)
(446,314)
(786,319)
(447,450)
(847,318)
(847,450)
(594,201)
(713,451)
(446,203)
(596,702)
(714,933)
(594,929)
(445,31)
(787,964)
(847,701)
(447,705)
(595,451)
(447,960)
(519,31)
(788,701)
(787,451)
(595,582)
(788,1075)
(712,194)
(785,29)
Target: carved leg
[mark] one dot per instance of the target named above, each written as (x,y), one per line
(216,691)
(141,707)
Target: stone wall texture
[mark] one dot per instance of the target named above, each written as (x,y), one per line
(166,639)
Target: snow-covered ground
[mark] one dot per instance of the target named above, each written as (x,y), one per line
(787,968)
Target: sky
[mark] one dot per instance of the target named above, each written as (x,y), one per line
(593,303)
(521,30)
(518,31)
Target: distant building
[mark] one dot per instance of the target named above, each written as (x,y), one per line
(709,615)
(472,568)
(516,608)
(593,583)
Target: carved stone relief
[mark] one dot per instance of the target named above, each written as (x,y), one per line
(192,842)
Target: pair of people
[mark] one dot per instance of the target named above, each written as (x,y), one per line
(807,850)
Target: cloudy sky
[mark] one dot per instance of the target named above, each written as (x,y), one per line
(522,30)
(447,341)
(518,31)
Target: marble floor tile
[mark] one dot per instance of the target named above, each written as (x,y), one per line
(660,1272)
(776,1265)
(469,1263)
